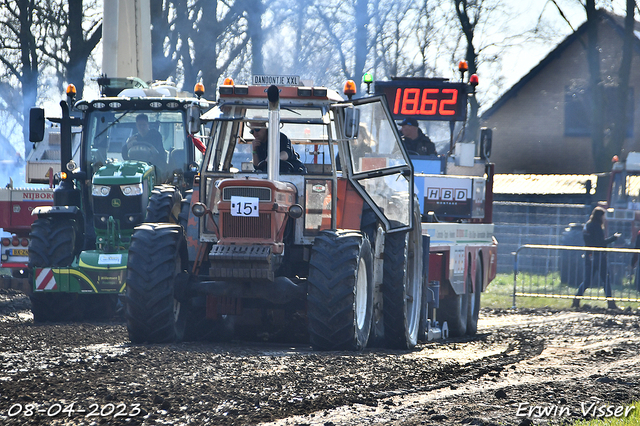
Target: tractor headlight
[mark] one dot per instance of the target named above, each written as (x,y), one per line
(131,190)
(100,190)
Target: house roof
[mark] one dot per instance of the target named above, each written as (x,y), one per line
(523,184)
(617,22)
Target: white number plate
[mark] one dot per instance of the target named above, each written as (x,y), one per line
(245,206)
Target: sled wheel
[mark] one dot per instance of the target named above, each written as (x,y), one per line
(454,310)
(474,302)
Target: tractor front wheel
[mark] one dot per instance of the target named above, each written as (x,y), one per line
(402,286)
(340,291)
(164,205)
(156,256)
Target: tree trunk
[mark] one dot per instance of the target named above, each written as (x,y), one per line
(596,87)
(29,61)
(620,122)
(79,48)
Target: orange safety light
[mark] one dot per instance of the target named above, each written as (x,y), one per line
(615,159)
(350,88)
(228,82)
(71,90)
(63,175)
(198,89)
(473,80)
(463,66)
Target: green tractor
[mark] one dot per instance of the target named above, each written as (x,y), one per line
(135,163)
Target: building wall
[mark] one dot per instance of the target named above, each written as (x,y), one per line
(528,130)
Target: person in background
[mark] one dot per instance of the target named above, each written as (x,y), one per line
(414,140)
(593,235)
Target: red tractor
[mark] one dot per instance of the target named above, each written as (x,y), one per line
(305,246)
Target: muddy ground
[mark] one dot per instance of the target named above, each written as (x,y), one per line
(523,367)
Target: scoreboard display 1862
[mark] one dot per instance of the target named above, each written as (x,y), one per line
(425,99)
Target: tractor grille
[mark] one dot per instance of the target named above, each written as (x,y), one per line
(246,227)
(263,194)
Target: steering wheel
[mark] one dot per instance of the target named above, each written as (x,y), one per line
(409,152)
(285,166)
(143,151)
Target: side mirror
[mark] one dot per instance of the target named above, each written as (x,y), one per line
(36,124)
(193,119)
(486,136)
(351,122)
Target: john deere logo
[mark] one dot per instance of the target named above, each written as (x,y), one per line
(115,202)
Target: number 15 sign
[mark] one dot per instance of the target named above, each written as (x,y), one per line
(245,206)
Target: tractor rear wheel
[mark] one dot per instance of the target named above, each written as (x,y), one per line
(402,286)
(340,291)
(164,204)
(156,257)
(53,242)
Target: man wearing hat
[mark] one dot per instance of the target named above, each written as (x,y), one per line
(414,140)
(260,142)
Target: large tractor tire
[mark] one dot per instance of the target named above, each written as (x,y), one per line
(164,205)
(340,291)
(53,242)
(474,300)
(156,257)
(402,286)
(53,245)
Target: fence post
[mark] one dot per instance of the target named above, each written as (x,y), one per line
(515,276)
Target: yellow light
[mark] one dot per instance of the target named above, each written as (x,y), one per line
(63,175)
(350,88)
(71,90)
(199,89)
(228,82)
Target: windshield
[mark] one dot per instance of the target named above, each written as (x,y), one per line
(305,128)
(157,137)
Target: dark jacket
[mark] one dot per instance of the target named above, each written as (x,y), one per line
(421,145)
(285,145)
(593,235)
(153,138)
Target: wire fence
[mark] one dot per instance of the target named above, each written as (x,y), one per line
(517,224)
(557,271)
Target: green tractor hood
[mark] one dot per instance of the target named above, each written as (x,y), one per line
(119,194)
(123,173)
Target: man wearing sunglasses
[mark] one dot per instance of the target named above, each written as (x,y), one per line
(260,142)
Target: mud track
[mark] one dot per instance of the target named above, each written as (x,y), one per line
(519,360)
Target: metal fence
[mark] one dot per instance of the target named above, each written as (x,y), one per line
(516,224)
(556,271)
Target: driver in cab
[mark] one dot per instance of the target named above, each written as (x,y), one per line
(145,139)
(260,143)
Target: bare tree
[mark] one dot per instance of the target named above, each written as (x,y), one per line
(620,121)
(19,57)
(608,132)
(199,39)
(74,29)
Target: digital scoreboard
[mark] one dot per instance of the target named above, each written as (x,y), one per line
(425,99)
